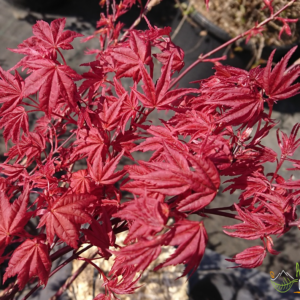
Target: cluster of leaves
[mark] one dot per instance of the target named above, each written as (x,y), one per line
(98,122)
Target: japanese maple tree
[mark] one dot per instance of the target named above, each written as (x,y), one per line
(217,130)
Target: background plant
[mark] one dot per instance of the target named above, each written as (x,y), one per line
(216,131)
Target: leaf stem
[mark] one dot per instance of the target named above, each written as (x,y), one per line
(28,104)
(143,13)
(33,101)
(61,56)
(71,279)
(60,252)
(72,121)
(282,159)
(219,213)
(65,142)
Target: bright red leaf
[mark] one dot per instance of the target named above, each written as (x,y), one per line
(11,90)
(51,37)
(191,239)
(89,143)
(278,82)
(128,58)
(29,260)
(158,96)
(13,218)
(104,173)
(250,258)
(64,216)
(52,81)
(13,122)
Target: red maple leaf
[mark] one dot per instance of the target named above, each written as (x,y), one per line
(80,182)
(244,106)
(94,78)
(64,216)
(288,145)
(169,49)
(252,227)
(89,143)
(11,90)
(251,183)
(51,36)
(125,285)
(278,82)
(129,106)
(13,218)
(149,215)
(137,256)
(30,146)
(110,116)
(175,177)
(43,178)
(191,239)
(104,173)
(13,172)
(29,260)
(100,234)
(52,81)
(161,135)
(13,122)
(158,96)
(129,57)
(250,258)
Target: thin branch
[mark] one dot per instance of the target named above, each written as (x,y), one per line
(220,213)
(33,101)
(148,7)
(61,56)
(74,256)
(190,20)
(203,57)
(71,279)
(60,252)
(65,142)
(72,121)
(185,16)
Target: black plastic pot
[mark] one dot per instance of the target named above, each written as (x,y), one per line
(190,40)
(193,45)
(210,27)
(224,36)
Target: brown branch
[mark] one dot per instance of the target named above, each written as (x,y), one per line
(71,279)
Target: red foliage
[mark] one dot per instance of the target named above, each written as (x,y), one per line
(30,259)
(99,123)
(250,258)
